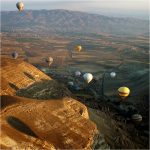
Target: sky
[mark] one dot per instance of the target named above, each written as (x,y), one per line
(116,8)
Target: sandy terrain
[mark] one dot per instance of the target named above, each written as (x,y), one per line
(128,57)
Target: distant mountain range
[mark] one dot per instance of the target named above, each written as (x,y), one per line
(64,21)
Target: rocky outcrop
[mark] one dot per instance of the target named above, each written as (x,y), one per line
(53,124)
(54,121)
(17,74)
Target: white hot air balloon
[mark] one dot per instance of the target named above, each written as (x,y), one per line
(20,6)
(70,83)
(113,74)
(88,77)
(49,60)
(77,73)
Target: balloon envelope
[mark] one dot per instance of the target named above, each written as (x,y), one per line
(49,60)
(124,91)
(112,74)
(70,83)
(136,118)
(20,6)
(88,77)
(78,48)
(15,55)
(77,73)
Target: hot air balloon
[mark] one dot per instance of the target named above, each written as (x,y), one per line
(88,77)
(136,118)
(113,74)
(20,6)
(123,92)
(70,83)
(15,55)
(77,73)
(78,48)
(43,69)
(49,60)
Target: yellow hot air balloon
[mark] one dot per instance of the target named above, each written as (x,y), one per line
(123,92)
(78,48)
(20,6)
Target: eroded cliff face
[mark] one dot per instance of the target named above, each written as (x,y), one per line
(56,123)
(17,74)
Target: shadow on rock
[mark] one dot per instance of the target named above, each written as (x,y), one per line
(19,125)
(28,75)
(45,90)
(13,86)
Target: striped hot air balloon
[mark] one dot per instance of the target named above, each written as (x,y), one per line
(136,118)
(123,92)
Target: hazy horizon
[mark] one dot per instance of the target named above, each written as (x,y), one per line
(124,8)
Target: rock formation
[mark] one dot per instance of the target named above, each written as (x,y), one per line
(17,74)
(26,123)
(57,124)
